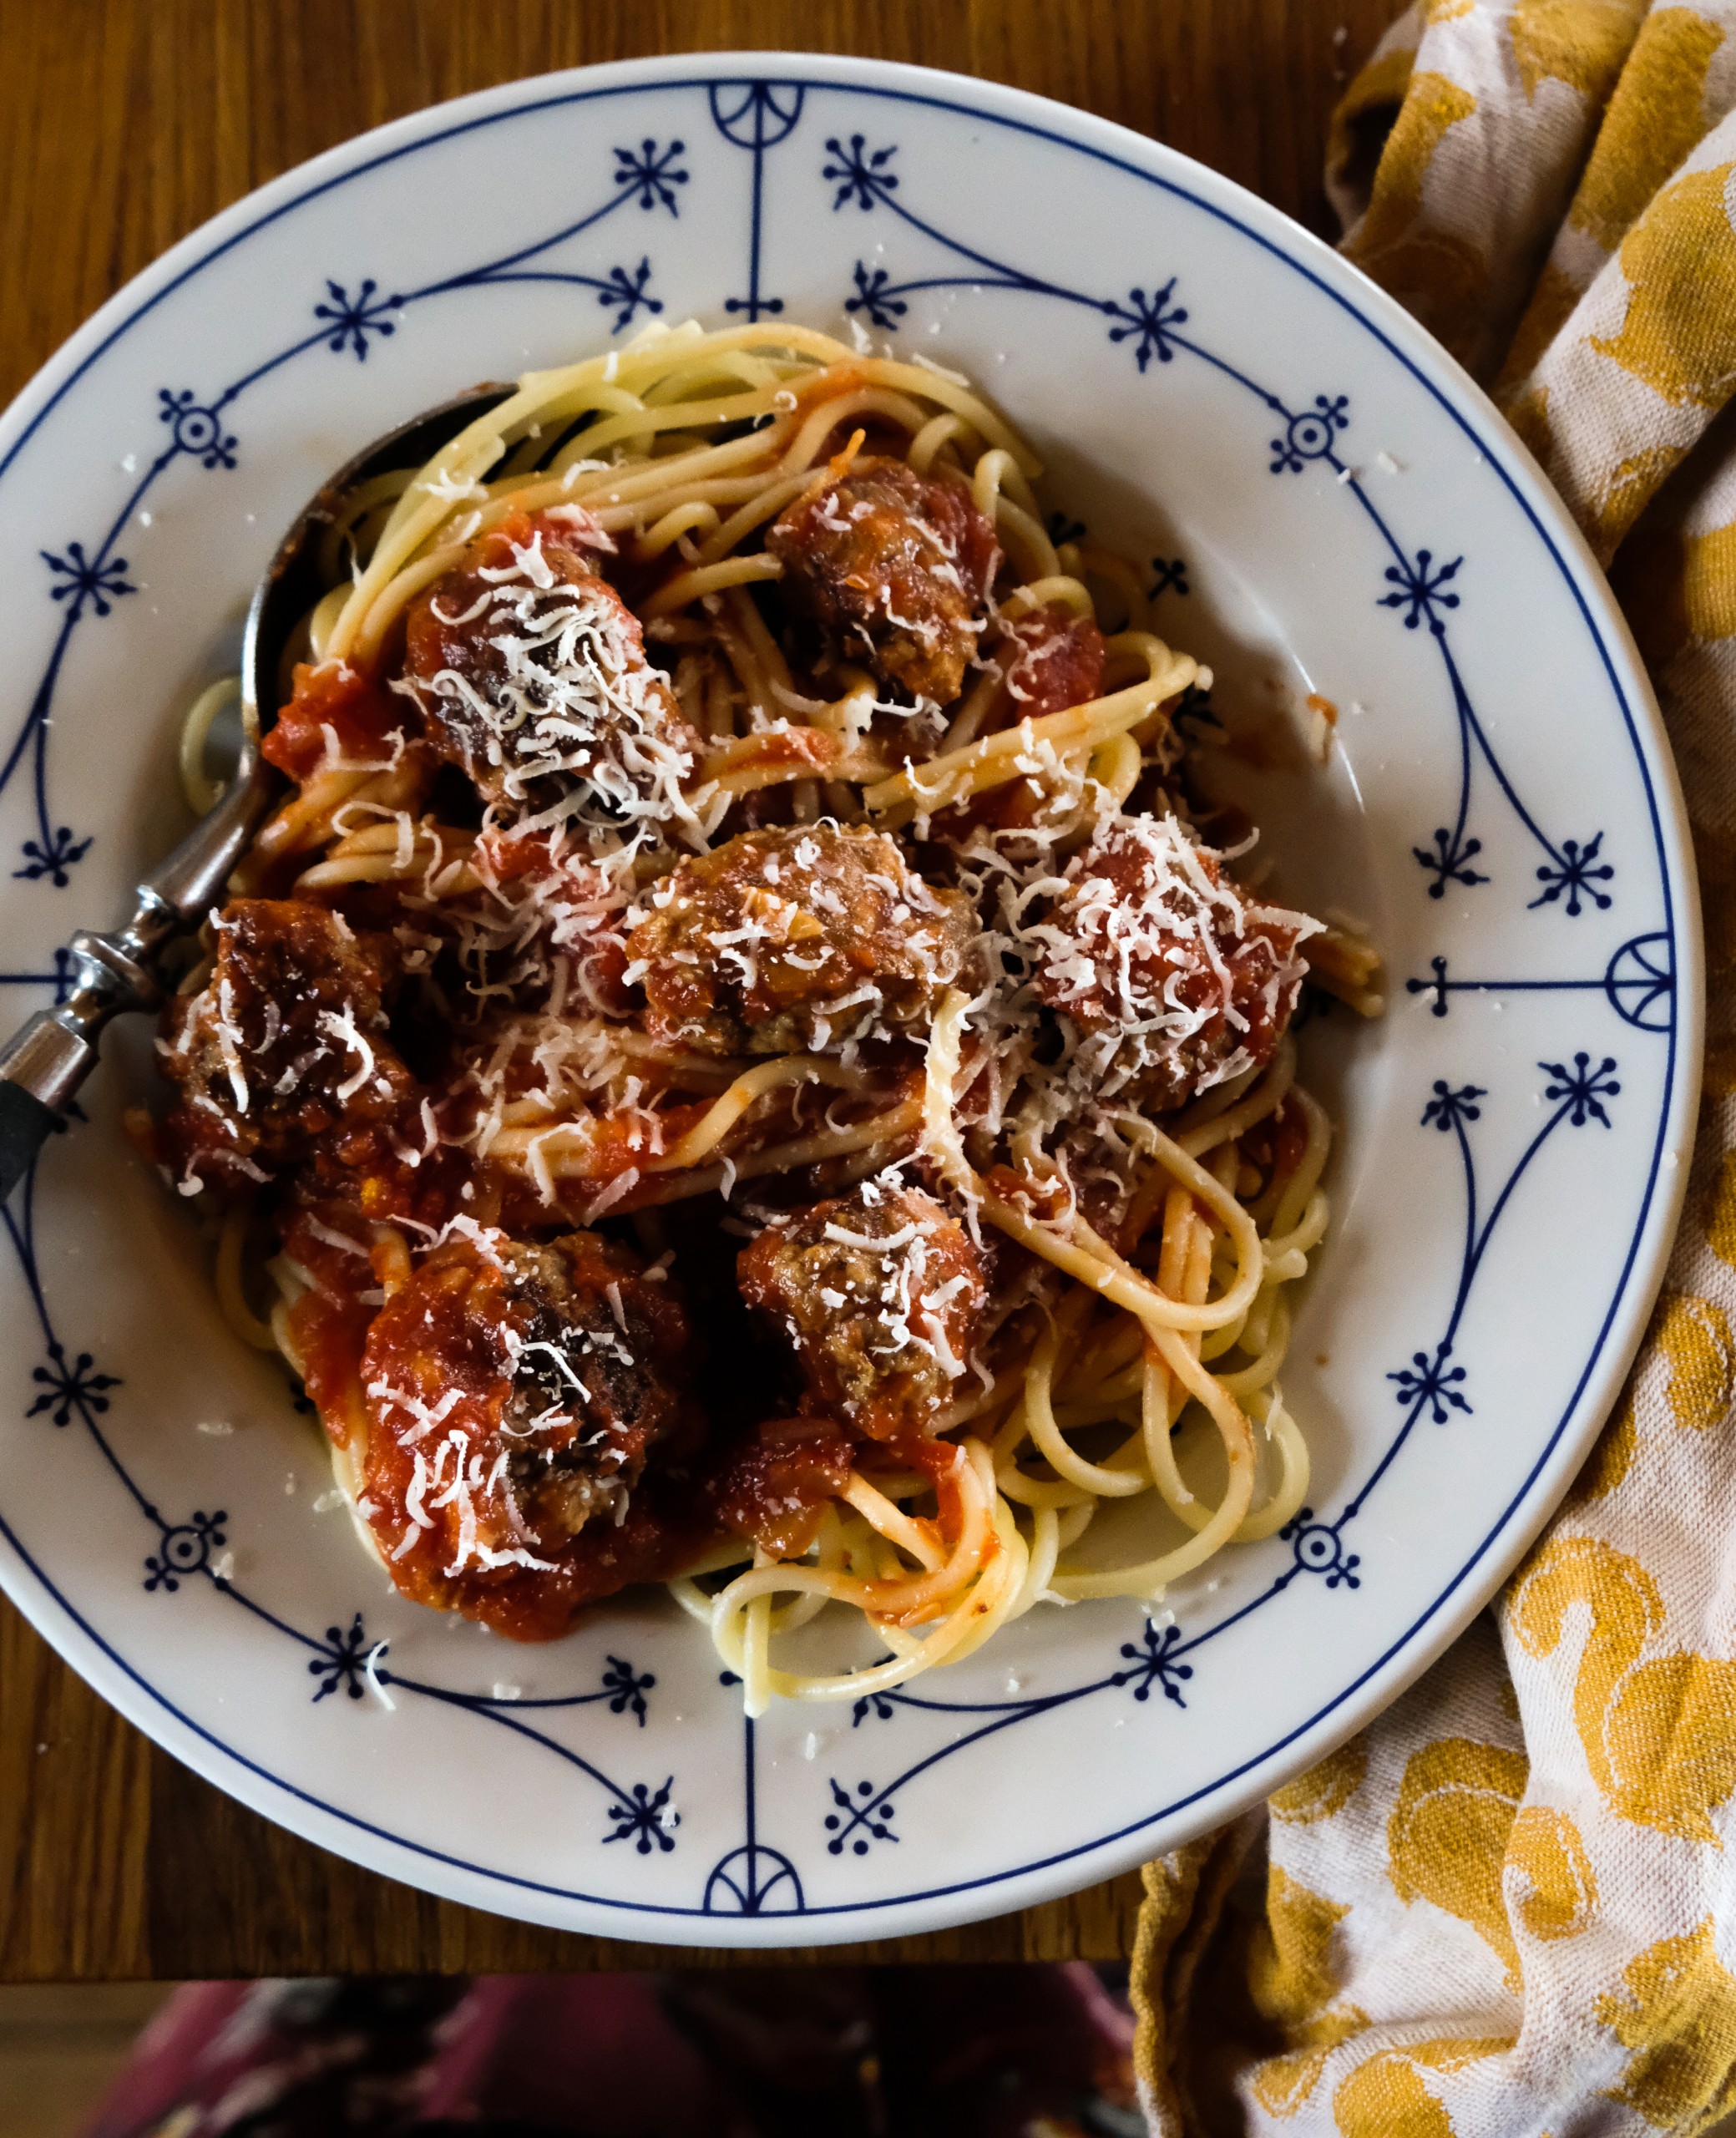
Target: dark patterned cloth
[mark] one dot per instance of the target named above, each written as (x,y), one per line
(1001,2052)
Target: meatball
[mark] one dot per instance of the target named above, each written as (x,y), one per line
(285,1044)
(1174,979)
(897,568)
(514,1394)
(882,1294)
(531,674)
(794,939)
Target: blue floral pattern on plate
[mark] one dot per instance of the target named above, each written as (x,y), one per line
(834,154)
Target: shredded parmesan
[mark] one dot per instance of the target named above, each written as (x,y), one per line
(568,722)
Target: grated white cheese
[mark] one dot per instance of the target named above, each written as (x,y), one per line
(371,1671)
(571,723)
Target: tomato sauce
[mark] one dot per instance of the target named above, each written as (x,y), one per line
(666,1526)
(1055,661)
(773,1485)
(336,703)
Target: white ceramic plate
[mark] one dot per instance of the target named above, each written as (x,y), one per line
(1328,506)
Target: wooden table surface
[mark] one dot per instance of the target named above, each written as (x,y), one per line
(123,124)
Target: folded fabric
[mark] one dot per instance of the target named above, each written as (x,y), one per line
(1509,1906)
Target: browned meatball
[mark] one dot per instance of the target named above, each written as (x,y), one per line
(794,939)
(531,675)
(514,1394)
(897,566)
(1174,978)
(284,1043)
(882,1294)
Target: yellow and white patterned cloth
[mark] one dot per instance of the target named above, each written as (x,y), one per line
(1509,1907)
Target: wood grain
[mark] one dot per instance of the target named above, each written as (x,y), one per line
(123,124)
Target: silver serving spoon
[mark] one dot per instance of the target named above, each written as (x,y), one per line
(46,1062)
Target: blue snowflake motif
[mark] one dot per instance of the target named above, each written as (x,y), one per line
(626,288)
(871,296)
(1169,575)
(68,1388)
(1310,435)
(649,1821)
(860,1812)
(344,1661)
(874,1704)
(860,177)
(1063,530)
(100,580)
(53,860)
(1150,1664)
(198,431)
(1421,590)
(1581,1087)
(1575,878)
(185,1548)
(1431,1382)
(1450,862)
(1448,1107)
(628,1687)
(653,176)
(1150,318)
(349,320)
(1319,1549)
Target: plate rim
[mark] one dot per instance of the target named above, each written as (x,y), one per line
(1411,1651)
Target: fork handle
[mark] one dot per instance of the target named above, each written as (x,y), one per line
(26,1124)
(40,1071)
(45,1063)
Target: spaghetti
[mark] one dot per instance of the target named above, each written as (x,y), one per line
(737,1062)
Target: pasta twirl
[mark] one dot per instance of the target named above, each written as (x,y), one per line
(736,1064)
